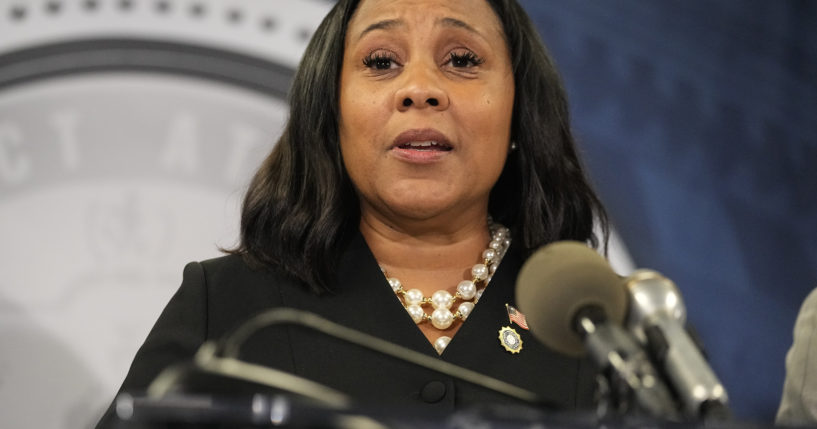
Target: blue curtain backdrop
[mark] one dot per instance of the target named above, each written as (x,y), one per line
(697,120)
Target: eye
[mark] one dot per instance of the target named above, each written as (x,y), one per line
(463,59)
(379,60)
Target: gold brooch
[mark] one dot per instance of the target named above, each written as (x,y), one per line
(510,339)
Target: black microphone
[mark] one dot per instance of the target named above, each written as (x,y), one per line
(657,317)
(575,303)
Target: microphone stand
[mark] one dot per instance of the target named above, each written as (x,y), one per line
(633,385)
(231,347)
(245,393)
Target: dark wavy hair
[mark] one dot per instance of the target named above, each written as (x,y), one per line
(301,209)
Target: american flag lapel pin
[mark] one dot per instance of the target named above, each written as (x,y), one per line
(510,340)
(516,316)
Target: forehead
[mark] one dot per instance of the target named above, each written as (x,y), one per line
(477,15)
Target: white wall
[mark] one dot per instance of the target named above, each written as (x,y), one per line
(110,182)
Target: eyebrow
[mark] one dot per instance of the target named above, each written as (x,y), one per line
(388,24)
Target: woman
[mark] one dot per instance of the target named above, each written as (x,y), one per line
(411,122)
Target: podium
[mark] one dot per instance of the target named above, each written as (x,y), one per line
(281,410)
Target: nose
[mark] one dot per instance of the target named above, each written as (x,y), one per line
(421,88)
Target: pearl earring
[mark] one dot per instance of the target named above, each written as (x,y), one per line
(513,145)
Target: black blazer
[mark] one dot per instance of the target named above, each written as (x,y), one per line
(218,294)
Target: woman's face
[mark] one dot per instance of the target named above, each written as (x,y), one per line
(426,95)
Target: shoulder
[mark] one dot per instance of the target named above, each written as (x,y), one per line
(229,290)
(228,263)
(233,271)
(805,326)
(798,405)
(809,305)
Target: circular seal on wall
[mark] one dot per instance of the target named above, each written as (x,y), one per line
(128,130)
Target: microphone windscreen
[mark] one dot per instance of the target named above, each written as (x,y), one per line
(558,281)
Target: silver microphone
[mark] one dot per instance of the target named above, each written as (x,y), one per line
(657,316)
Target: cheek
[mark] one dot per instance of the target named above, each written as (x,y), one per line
(353,155)
(352,131)
(359,126)
(360,101)
(358,153)
(490,121)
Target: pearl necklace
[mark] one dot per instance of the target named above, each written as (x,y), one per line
(468,291)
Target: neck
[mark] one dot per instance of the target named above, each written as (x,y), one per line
(429,245)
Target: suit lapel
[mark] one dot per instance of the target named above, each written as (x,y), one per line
(363,300)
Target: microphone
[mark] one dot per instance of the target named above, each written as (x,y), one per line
(657,317)
(557,283)
(574,303)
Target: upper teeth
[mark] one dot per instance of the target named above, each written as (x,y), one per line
(423,144)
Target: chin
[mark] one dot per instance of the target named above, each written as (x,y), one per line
(420,208)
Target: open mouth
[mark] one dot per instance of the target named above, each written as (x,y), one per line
(426,146)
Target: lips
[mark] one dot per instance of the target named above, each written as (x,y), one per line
(427,140)
(426,145)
